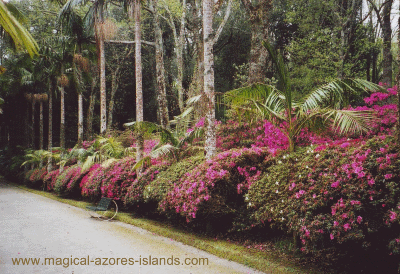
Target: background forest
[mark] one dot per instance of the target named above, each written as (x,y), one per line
(320,40)
(259,121)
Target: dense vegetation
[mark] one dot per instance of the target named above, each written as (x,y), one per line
(291,140)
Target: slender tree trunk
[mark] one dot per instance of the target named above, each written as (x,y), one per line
(50,137)
(41,125)
(114,88)
(62,122)
(398,86)
(138,76)
(80,119)
(102,69)
(197,84)
(160,70)
(33,123)
(27,132)
(89,119)
(103,123)
(387,44)
(210,143)
(179,59)
(33,126)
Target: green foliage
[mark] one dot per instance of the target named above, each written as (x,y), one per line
(341,197)
(135,192)
(21,37)
(321,107)
(67,182)
(158,188)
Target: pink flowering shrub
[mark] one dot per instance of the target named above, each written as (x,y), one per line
(111,181)
(344,194)
(134,194)
(164,182)
(35,176)
(117,177)
(214,190)
(50,179)
(67,182)
(90,183)
(261,134)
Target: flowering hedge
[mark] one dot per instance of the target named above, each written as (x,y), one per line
(156,190)
(50,179)
(35,176)
(215,188)
(67,182)
(111,181)
(344,193)
(134,194)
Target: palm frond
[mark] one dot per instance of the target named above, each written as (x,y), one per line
(254,92)
(284,84)
(334,93)
(349,121)
(145,161)
(163,151)
(20,36)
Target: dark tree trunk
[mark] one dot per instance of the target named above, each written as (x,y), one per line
(258,12)
(387,44)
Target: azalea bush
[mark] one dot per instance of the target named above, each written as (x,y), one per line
(35,177)
(117,177)
(50,179)
(157,189)
(111,181)
(67,182)
(91,182)
(135,198)
(346,193)
(214,190)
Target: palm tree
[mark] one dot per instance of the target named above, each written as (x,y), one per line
(170,143)
(94,19)
(20,36)
(318,109)
(138,76)
(211,140)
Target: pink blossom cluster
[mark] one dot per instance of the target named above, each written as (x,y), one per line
(229,169)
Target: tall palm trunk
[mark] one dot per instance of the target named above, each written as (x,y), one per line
(41,128)
(89,117)
(138,76)
(102,63)
(80,118)
(62,122)
(210,143)
(50,136)
(33,123)
(398,86)
(160,70)
(41,125)
(114,88)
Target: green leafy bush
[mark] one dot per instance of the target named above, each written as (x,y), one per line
(334,197)
(134,195)
(157,189)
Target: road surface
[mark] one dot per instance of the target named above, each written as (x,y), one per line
(53,237)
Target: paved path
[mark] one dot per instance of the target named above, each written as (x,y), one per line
(32,226)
